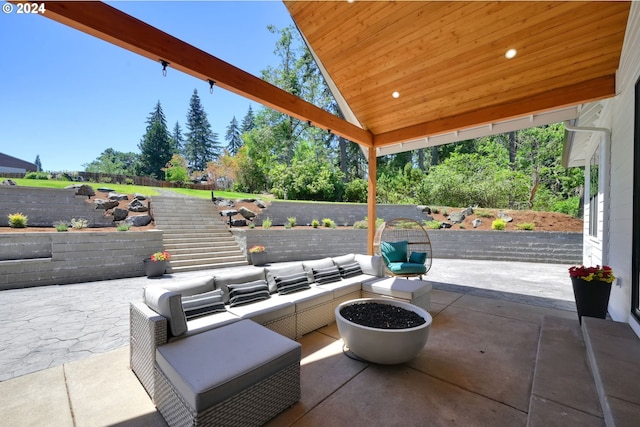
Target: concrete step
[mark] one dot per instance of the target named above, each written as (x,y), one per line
(186,255)
(177,246)
(198,238)
(208,266)
(230,260)
(613,351)
(564,392)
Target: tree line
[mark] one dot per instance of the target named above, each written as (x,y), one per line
(273,152)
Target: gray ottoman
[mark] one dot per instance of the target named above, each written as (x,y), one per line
(242,374)
(416,292)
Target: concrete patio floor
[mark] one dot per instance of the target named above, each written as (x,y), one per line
(475,370)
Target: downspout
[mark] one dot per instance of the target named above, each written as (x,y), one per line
(604,172)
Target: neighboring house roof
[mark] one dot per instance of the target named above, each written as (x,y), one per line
(10,162)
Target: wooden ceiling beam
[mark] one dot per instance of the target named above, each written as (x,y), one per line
(579,93)
(107,23)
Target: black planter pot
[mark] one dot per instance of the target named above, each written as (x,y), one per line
(592,298)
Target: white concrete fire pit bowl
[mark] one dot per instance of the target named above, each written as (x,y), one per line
(384,346)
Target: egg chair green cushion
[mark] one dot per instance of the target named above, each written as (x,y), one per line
(400,268)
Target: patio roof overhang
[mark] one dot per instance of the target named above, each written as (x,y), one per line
(446,60)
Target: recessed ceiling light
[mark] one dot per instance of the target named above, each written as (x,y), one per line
(396,94)
(511,53)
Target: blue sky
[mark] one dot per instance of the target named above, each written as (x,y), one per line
(67,96)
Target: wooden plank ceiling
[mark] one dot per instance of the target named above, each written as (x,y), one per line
(447,59)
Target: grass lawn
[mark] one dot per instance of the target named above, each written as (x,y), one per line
(128,189)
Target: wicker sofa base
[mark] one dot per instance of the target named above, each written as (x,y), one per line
(253,406)
(285,326)
(314,318)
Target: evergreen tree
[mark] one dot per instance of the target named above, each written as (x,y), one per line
(113,162)
(202,143)
(177,140)
(234,142)
(155,146)
(38,163)
(248,123)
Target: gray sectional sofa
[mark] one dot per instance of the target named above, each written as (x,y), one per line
(291,299)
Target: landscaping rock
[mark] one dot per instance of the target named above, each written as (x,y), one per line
(504,217)
(225,203)
(456,217)
(105,190)
(137,206)
(247,213)
(245,200)
(85,190)
(476,222)
(105,204)
(259,203)
(425,210)
(118,196)
(468,211)
(238,223)
(119,214)
(138,220)
(445,225)
(228,212)
(9,182)
(139,196)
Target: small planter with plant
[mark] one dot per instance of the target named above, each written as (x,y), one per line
(258,254)
(591,289)
(156,265)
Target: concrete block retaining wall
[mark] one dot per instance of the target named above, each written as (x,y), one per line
(44,206)
(301,244)
(35,259)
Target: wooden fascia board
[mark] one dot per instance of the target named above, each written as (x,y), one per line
(591,90)
(116,27)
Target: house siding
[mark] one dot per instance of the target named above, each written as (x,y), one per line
(620,114)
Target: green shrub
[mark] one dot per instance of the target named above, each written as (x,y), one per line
(288,226)
(484,214)
(435,210)
(570,206)
(18,220)
(79,223)
(462,227)
(433,224)
(129,181)
(36,175)
(61,226)
(328,222)
(252,225)
(356,191)
(526,226)
(364,224)
(266,223)
(315,223)
(498,224)
(123,227)
(291,221)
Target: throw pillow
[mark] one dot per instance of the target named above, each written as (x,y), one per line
(418,257)
(203,304)
(248,292)
(394,251)
(350,270)
(326,275)
(292,283)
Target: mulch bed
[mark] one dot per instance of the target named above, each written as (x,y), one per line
(381,316)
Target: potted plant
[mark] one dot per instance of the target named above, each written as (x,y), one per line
(258,255)
(156,265)
(591,288)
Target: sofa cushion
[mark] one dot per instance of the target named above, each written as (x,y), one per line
(169,305)
(326,275)
(371,264)
(292,283)
(206,323)
(350,270)
(189,286)
(406,268)
(344,259)
(309,266)
(266,311)
(246,293)
(282,270)
(394,251)
(237,276)
(199,305)
(418,257)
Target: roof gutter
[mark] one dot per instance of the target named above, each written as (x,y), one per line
(603,180)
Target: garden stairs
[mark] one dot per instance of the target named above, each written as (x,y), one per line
(195,234)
